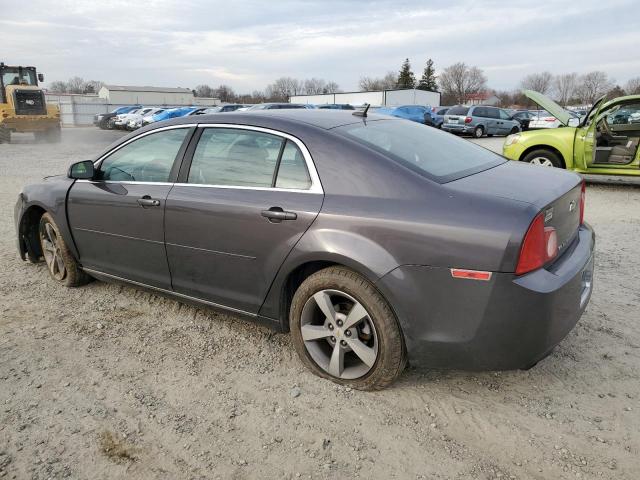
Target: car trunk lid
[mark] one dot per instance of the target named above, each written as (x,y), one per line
(553,191)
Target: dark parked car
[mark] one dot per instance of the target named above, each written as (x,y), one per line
(438,114)
(337,106)
(276,106)
(373,240)
(106,121)
(524,117)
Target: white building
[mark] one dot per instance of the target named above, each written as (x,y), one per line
(409,96)
(131,95)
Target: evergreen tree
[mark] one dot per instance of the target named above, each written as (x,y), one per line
(428,80)
(406,79)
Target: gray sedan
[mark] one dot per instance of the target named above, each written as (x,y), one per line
(374,240)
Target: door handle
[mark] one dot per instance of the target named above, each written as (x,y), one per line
(276,215)
(147,201)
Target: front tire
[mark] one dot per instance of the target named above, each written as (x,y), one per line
(543,158)
(345,331)
(5,135)
(61,264)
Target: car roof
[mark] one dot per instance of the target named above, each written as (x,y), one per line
(321,118)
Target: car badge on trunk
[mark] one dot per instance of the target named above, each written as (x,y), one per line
(548,215)
(572,205)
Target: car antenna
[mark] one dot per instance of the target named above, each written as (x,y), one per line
(362,113)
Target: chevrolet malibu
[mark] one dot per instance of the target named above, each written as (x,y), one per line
(373,240)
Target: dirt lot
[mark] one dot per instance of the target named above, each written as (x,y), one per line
(110,382)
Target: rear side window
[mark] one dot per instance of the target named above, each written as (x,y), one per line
(433,154)
(458,111)
(148,159)
(480,112)
(246,158)
(234,157)
(292,171)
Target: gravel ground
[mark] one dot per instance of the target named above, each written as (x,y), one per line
(107,381)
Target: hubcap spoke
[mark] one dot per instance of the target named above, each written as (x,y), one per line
(356,315)
(364,353)
(336,364)
(324,303)
(60,264)
(314,332)
(51,233)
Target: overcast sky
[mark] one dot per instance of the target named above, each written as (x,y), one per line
(247,44)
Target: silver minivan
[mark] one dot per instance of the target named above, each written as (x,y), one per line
(479,120)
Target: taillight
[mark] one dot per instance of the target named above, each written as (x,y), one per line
(583,197)
(467,120)
(540,245)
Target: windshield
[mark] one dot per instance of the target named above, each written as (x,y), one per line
(429,152)
(12,76)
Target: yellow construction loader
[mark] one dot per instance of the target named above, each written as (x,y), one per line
(23,107)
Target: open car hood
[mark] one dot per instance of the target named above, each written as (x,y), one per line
(549,105)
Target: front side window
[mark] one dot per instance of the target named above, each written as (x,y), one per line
(426,151)
(148,159)
(504,115)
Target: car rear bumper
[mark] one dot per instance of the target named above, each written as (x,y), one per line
(505,323)
(457,128)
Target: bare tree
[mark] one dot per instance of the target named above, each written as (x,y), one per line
(58,87)
(565,87)
(459,80)
(225,93)
(204,91)
(331,87)
(593,85)
(538,82)
(314,86)
(283,88)
(370,84)
(93,86)
(75,85)
(632,87)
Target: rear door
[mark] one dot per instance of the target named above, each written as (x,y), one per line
(492,120)
(117,219)
(244,198)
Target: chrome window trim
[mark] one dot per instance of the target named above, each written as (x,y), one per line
(316,185)
(97,163)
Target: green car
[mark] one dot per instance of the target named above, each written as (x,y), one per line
(605,141)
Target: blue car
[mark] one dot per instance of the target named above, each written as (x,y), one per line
(173,113)
(415,113)
(438,115)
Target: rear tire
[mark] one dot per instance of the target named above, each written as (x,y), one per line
(61,264)
(544,158)
(376,336)
(5,135)
(478,132)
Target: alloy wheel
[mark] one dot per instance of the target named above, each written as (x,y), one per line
(51,251)
(542,161)
(339,334)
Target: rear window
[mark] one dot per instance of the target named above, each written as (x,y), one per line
(429,152)
(458,111)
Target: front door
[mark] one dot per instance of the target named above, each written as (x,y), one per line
(117,219)
(247,198)
(616,136)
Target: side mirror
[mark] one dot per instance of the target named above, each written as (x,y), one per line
(82,170)
(573,122)
(40,77)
